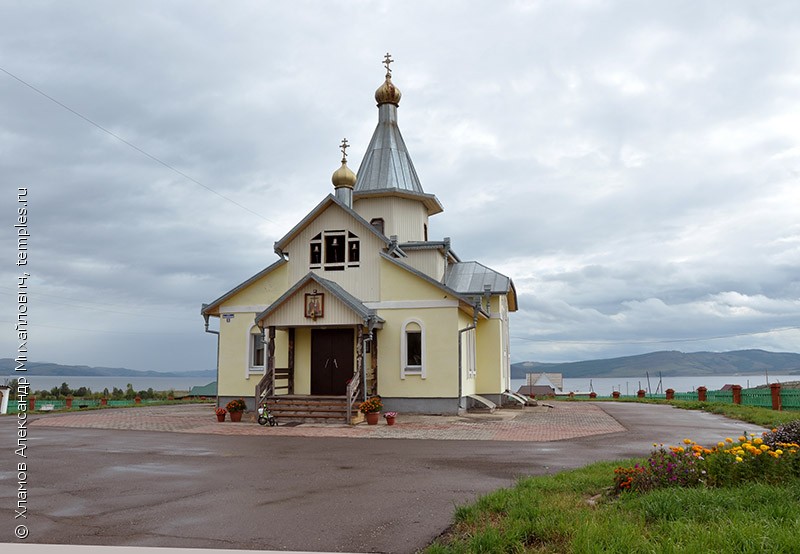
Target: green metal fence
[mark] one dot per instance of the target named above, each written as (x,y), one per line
(686,396)
(761,398)
(720,396)
(790,399)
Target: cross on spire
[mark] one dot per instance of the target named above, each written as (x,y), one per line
(343,147)
(387,59)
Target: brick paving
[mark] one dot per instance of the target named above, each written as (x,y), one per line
(531,424)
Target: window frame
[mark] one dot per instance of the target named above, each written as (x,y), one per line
(406,369)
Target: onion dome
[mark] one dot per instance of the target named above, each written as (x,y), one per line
(387,93)
(344,176)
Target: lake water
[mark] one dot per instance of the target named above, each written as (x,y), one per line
(603,386)
(97,384)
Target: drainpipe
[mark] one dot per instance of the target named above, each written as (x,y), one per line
(211,331)
(460,360)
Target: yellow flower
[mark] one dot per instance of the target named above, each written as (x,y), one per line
(742,438)
(687,441)
(774,430)
(764,447)
(721,444)
(729,440)
(757,441)
(738,459)
(779,452)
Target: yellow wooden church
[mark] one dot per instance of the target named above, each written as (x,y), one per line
(361,302)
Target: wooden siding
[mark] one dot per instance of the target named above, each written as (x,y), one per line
(292,312)
(363,281)
(402,217)
(429,262)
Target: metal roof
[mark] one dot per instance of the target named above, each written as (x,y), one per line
(472,277)
(209,308)
(387,164)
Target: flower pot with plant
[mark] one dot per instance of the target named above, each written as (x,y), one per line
(220,414)
(236,407)
(390,417)
(372,409)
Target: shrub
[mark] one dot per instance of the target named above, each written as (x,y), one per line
(786,433)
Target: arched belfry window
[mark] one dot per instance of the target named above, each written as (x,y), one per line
(412,349)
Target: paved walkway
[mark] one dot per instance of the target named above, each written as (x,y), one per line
(531,424)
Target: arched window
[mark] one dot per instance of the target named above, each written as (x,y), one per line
(412,349)
(378,224)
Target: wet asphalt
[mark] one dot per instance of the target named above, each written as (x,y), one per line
(143,488)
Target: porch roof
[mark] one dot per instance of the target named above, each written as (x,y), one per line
(370,318)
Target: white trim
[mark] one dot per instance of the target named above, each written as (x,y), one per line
(406,370)
(495,315)
(244,309)
(405,304)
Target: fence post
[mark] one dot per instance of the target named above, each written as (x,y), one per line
(592,394)
(670,394)
(69,402)
(737,394)
(104,401)
(615,394)
(138,400)
(640,393)
(701,394)
(775,389)
(32,403)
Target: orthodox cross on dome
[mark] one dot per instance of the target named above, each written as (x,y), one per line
(387,59)
(343,147)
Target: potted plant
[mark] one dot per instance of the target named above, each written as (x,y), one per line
(390,417)
(236,407)
(220,414)
(372,409)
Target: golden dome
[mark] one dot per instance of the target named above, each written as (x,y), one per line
(387,93)
(344,176)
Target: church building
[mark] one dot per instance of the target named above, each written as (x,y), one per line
(362,302)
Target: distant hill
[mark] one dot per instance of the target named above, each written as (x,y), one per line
(7,366)
(671,364)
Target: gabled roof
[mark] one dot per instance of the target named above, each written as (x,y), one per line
(333,288)
(313,214)
(444,288)
(472,277)
(208,308)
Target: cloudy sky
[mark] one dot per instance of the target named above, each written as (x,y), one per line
(633,166)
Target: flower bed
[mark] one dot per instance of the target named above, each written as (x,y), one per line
(765,459)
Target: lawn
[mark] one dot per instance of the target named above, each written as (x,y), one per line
(742,496)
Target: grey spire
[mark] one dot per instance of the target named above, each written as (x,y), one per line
(387,164)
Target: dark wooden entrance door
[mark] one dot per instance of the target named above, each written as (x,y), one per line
(331,361)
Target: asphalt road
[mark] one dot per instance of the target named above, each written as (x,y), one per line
(101,487)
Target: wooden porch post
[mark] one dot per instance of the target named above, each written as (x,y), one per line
(374,362)
(291,360)
(360,359)
(271,359)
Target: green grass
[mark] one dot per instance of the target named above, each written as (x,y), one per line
(766,417)
(551,514)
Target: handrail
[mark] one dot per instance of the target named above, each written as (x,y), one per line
(353,386)
(266,386)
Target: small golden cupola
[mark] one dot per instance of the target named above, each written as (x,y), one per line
(344,179)
(387,93)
